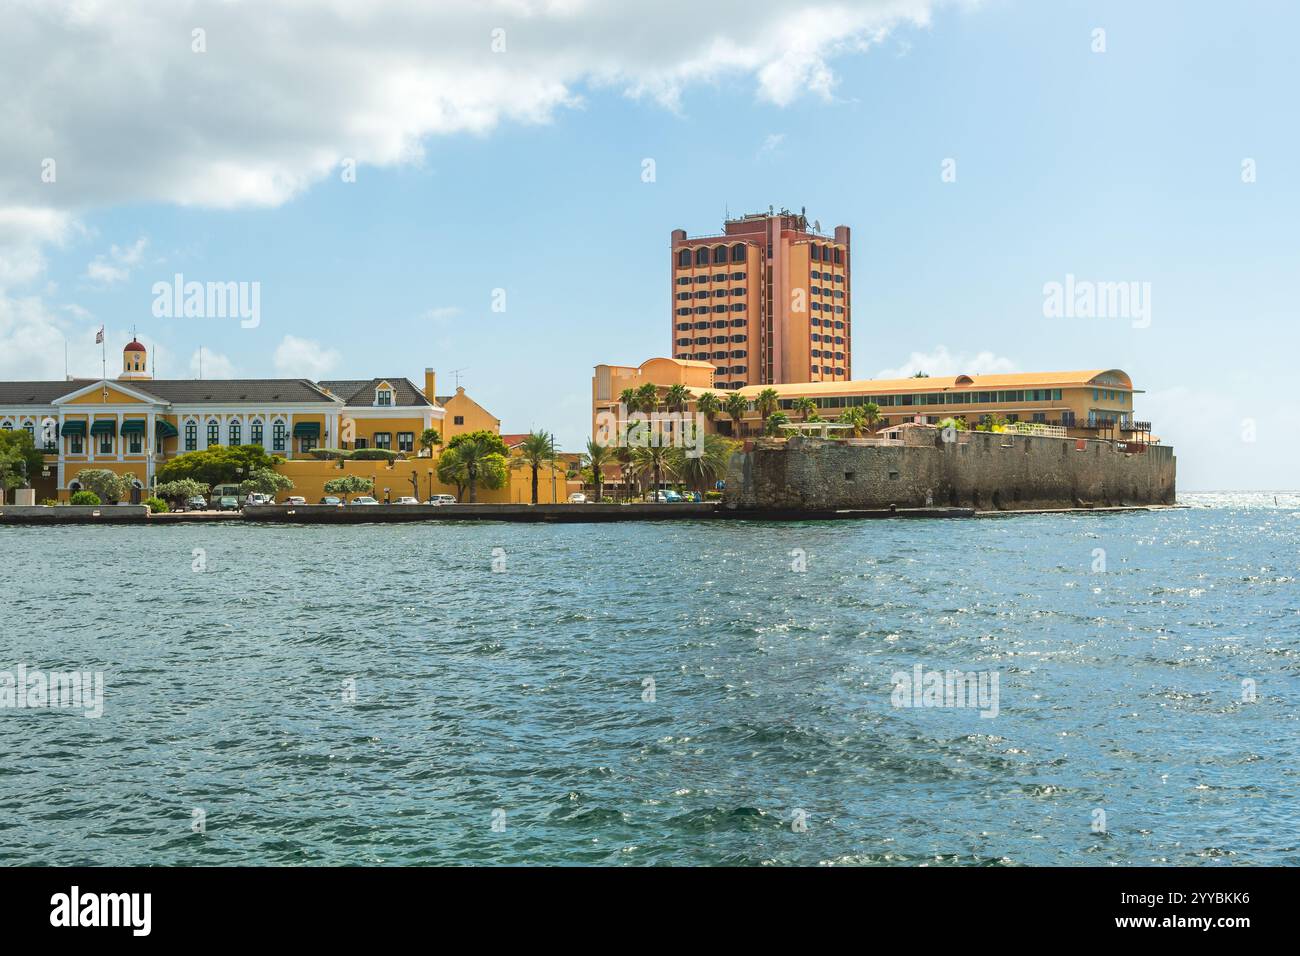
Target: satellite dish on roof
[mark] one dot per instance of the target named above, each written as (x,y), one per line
(817,225)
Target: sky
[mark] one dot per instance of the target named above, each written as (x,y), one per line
(488,189)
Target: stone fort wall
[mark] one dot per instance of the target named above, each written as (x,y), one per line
(985,470)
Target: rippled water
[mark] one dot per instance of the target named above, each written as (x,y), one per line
(516,697)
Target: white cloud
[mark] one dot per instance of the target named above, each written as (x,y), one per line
(304,358)
(211,365)
(24,232)
(940,361)
(108,90)
(117,263)
(771,143)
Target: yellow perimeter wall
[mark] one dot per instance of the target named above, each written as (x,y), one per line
(309,479)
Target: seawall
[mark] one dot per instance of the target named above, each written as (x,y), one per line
(986,471)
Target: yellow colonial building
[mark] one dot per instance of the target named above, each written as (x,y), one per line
(134,424)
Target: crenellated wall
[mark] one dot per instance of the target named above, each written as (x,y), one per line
(984,470)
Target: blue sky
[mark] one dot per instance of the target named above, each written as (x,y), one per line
(1117,166)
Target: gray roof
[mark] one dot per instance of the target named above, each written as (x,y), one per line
(223,391)
(179,391)
(36,393)
(361,392)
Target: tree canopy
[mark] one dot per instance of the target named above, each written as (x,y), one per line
(219,464)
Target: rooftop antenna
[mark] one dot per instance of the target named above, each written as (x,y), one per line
(457,371)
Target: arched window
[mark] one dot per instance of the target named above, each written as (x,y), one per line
(738,252)
(277,435)
(719,254)
(214,432)
(684,257)
(255,431)
(191,434)
(236,432)
(702,256)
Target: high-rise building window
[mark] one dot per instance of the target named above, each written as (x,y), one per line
(684,257)
(702,256)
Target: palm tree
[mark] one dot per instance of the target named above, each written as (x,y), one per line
(805,406)
(709,467)
(451,471)
(856,417)
(624,456)
(629,399)
(708,405)
(481,463)
(774,422)
(870,414)
(536,450)
(767,403)
(677,398)
(654,460)
(597,457)
(648,397)
(736,406)
(428,438)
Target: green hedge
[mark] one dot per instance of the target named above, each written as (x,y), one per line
(84,498)
(156,505)
(374,454)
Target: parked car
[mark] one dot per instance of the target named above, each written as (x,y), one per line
(331,500)
(667,497)
(577,498)
(364,500)
(196,504)
(406,500)
(442,500)
(255,498)
(227,503)
(295,500)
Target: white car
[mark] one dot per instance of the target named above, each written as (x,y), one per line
(295,500)
(577,498)
(406,500)
(257,499)
(442,500)
(364,500)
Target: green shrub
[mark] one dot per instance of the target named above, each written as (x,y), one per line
(330,454)
(84,498)
(713,496)
(156,505)
(374,454)
(49,502)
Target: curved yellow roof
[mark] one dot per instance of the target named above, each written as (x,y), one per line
(944,383)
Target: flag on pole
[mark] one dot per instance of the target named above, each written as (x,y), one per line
(99,336)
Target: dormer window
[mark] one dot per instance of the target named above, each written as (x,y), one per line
(384,395)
